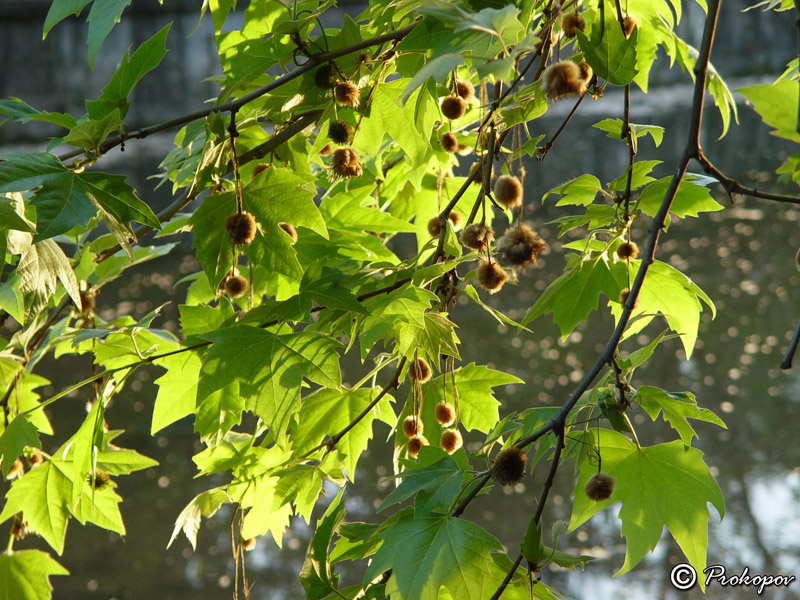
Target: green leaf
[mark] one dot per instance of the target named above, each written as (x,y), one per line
(122,461)
(326,412)
(177,389)
(22,112)
(472,294)
(60,10)
(25,575)
(667,484)
(438,68)
(690,200)
(40,268)
(436,551)
(532,548)
(580,191)
(316,575)
(90,133)
(11,219)
(205,504)
(611,55)
(19,433)
(102,18)
(269,368)
(438,485)
(387,312)
(675,408)
(777,105)
(613,127)
(641,175)
(130,70)
(354,209)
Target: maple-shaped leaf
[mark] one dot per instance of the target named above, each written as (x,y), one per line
(41,267)
(436,551)
(667,484)
(676,408)
(326,412)
(205,504)
(25,575)
(270,369)
(316,575)
(437,478)
(19,433)
(609,51)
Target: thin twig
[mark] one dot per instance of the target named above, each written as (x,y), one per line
(732,186)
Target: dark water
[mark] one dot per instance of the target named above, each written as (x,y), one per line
(743,257)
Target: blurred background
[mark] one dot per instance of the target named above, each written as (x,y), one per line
(743,257)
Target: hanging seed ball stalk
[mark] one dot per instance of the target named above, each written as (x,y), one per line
(451,440)
(508,191)
(627,250)
(520,246)
(346,93)
(445,413)
(415,444)
(236,286)
(476,236)
(454,107)
(599,487)
(419,370)
(491,276)
(509,466)
(449,142)
(241,228)
(412,425)
(563,79)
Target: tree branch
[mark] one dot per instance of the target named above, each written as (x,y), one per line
(732,186)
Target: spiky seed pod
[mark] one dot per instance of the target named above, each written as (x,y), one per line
(464,89)
(327,150)
(599,487)
(455,219)
(412,425)
(508,191)
(509,466)
(340,132)
(451,440)
(572,21)
(477,168)
(99,480)
(19,529)
(445,413)
(476,236)
(34,459)
(325,76)
(236,286)
(290,230)
(415,444)
(434,226)
(623,298)
(562,79)
(347,94)
(449,142)
(345,164)
(258,169)
(629,23)
(586,71)
(248,544)
(627,250)
(491,276)
(419,370)
(453,107)
(520,246)
(241,228)
(16,471)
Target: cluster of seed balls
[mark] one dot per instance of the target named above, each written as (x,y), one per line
(241,228)
(420,372)
(345,162)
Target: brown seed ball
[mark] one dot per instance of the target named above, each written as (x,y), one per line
(464,89)
(347,94)
(586,71)
(34,460)
(509,466)
(623,298)
(419,370)
(455,219)
(451,440)
(627,250)
(16,471)
(508,191)
(325,76)
(434,226)
(629,23)
(290,230)
(491,276)
(520,246)
(241,228)
(413,425)
(599,487)
(453,107)
(248,544)
(327,150)
(449,142)
(345,164)
(236,286)
(562,79)
(415,444)
(20,528)
(340,132)
(445,413)
(99,481)
(477,168)
(476,236)
(572,21)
